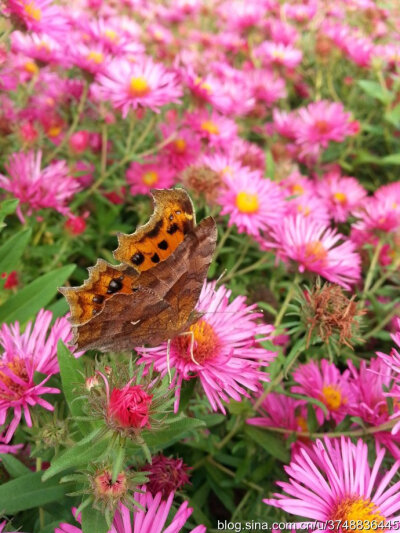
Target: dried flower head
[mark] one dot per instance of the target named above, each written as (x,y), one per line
(202,180)
(328,311)
(166,475)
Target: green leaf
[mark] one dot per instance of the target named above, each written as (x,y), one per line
(393,159)
(11,251)
(27,302)
(29,491)
(93,521)
(79,455)
(375,90)
(6,208)
(270,443)
(393,116)
(14,467)
(175,432)
(71,372)
(312,422)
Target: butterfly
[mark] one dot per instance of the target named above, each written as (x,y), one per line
(150,297)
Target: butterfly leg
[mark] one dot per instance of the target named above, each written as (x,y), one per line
(168,360)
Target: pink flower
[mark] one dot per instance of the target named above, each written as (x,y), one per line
(49,187)
(140,84)
(322,122)
(129,406)
(281,411)
(226,352)
(217,130)
(314,246)
(147,176)
(253,203)
(332,480)
(342,194)
(35,350)
(183,150)
(38,46)
(272,53)
(39,15)
(324,382)
(151,519)
(266,87)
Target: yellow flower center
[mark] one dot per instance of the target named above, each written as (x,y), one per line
(138,87)
(297,188)
(95,57)
(340,197)
(359,514)
(111,34)
(42,45)
(180,145)
(315,251)
(247,202)
(278,54)
(31,67)
(150,178)
(15,390)
(206,344)
(226,170)
(32,11)
(332,397)
(210,127)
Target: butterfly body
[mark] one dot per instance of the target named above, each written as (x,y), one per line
(120,307)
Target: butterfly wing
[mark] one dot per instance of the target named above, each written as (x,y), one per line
(161,302)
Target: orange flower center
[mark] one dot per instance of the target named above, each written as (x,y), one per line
(304,210)
(210,127)
(332,397)
(297,188)
(32,11)
(322,126)
(54,131)
(340,197)
(302,423)
(150,178)
(206,343)
(180,145)
(95,57)
(15,390)
(31,67)
(315,251)
(359,513)
(138,87)
(247,202)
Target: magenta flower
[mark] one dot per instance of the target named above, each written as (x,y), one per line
(141,84)
(272,53)
(150,520)
(252,202)
(341,194)
(333,481)
(322,122)
(41,16)
(280,411)
(226,352)
(314,246)
(153,175)
(38,189)
(218,130)
(325,383)
(35,350)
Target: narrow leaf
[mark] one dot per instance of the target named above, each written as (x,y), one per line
(93,521)
(270,443)
(14,467)
(12,249)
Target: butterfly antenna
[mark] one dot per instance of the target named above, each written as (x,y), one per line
(168,360)
(190,332)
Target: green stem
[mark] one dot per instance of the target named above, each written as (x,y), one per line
(287,300)
(41,510)
(371,270)
(381,324)
(271,385)
(232,474)
(222,241)
(73,126)
(104,140)
(362,432)
(385,276)
(263,259)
